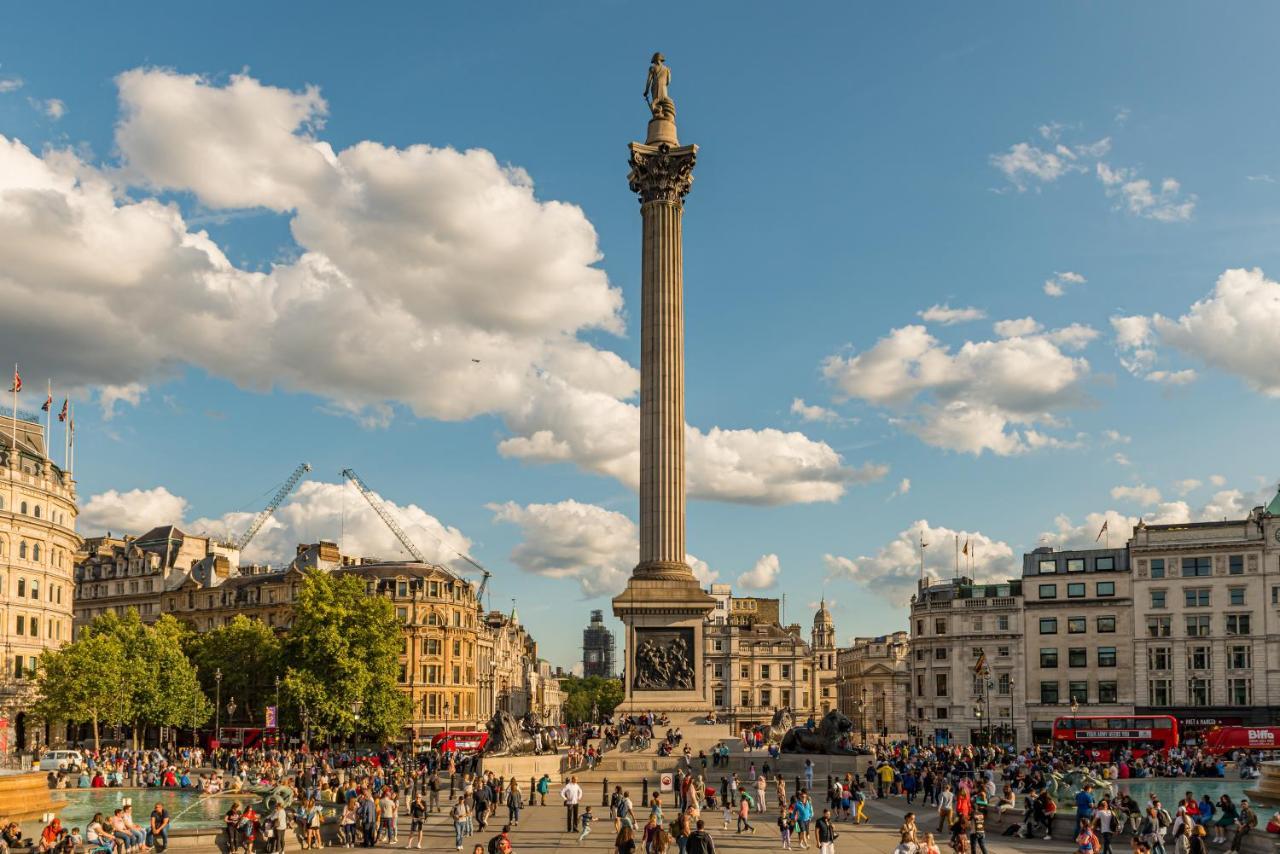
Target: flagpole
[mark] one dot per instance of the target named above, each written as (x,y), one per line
(48,421)
(71,439)
(14,389)
(957,555)
(66,442)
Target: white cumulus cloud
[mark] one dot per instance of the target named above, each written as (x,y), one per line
(445,258)
(1057,286)
(763,575)
(1139,494)
(945,315)
(894,570)
(133,512)
(811,412)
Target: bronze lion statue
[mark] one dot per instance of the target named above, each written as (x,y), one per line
(833,735)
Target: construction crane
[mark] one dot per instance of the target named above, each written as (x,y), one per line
(391,523)
(276,501)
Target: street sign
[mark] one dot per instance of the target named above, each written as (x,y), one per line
(665,783)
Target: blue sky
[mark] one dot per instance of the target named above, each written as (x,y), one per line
(858,166)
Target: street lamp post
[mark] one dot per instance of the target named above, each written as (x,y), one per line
(217,706)
(862,716)
(231,714)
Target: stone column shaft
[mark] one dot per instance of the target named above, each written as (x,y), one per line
(662,174)
(662,490)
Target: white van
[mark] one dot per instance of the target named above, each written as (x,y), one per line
(61,760)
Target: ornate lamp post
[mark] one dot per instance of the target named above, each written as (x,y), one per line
(862,715)
(217,706)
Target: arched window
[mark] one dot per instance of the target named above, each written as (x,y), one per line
(37,511)
(35,588)
(35,552)
(24,508)
(22,550)
(22,587)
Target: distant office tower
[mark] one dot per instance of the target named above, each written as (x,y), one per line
(597,648)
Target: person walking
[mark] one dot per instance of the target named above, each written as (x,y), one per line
(460,813)
(624,842)
(514,801)
(744,811)
(700,841)
(585,820)
(825,831)
(571,794)
(417,818)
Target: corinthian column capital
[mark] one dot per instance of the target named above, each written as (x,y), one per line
(660,173)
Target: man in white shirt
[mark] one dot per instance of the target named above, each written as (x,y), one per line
(571,794)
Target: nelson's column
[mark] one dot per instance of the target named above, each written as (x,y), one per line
(664,606)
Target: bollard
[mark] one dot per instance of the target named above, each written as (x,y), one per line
(828,782)
(604,792)
(797,790)
(533,792)
(451,777)
(644,792)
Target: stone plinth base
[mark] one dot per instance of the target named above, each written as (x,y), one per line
(524,767)
(662,130)
(658,610)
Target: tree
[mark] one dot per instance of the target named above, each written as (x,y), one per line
(343,649)
(78,682)
(248,653)
(594,692)
(157,685)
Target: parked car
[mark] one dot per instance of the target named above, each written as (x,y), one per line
(61,760)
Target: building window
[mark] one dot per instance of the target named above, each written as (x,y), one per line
(1240,692)
(785,671)
(1197,597)
(1048,591)
(1237,624)
(1159,627)
(766,697)
(22,587)
(1198,627)
(744,671)
(1158,599)
(1002,624)
(1048,625)
(1106,656)
(977,624)
(939,627)
(1104,564)
(1197,567)
(1106,625)
(1157,567)
(1075,564)
(1199,691)
(919,627)
(1002,651)
(1108,692)
(1077,625)
(1049,692)
(1004,684)
(1159,658)
(1235,596)
(1240,658)
(1049,657)
(1077,657)
(1161,691)
(1075,591)
(1235,564)
(940,653)
(22,624)
(764,674)
(1106,588)
(1078,691)
(717,697)
(1199,658)
(940,685)
(1048,567)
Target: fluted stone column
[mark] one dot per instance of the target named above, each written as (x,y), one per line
(661,173)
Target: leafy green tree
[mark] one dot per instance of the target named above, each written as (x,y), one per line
(343,659)
(248,653)
(593,692)
(79,682)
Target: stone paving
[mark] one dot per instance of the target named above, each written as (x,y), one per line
(542,830)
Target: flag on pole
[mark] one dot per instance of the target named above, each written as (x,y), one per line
(980,665)
(48,403)
(965,550)
(62,416)
(1102,530)
(17,381)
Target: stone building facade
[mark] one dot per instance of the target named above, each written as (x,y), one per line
(38,544)
(1079,636)
(955,625)
(873,678)
(1207,619)
(457,664)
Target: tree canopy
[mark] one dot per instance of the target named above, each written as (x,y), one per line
(581,695)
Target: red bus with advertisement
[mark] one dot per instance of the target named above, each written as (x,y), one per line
(460,741)
(1224,739)
(1100,736)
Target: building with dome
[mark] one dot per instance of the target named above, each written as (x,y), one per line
(823,647)
(38,543)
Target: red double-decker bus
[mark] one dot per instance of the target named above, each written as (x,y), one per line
(1099,736)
